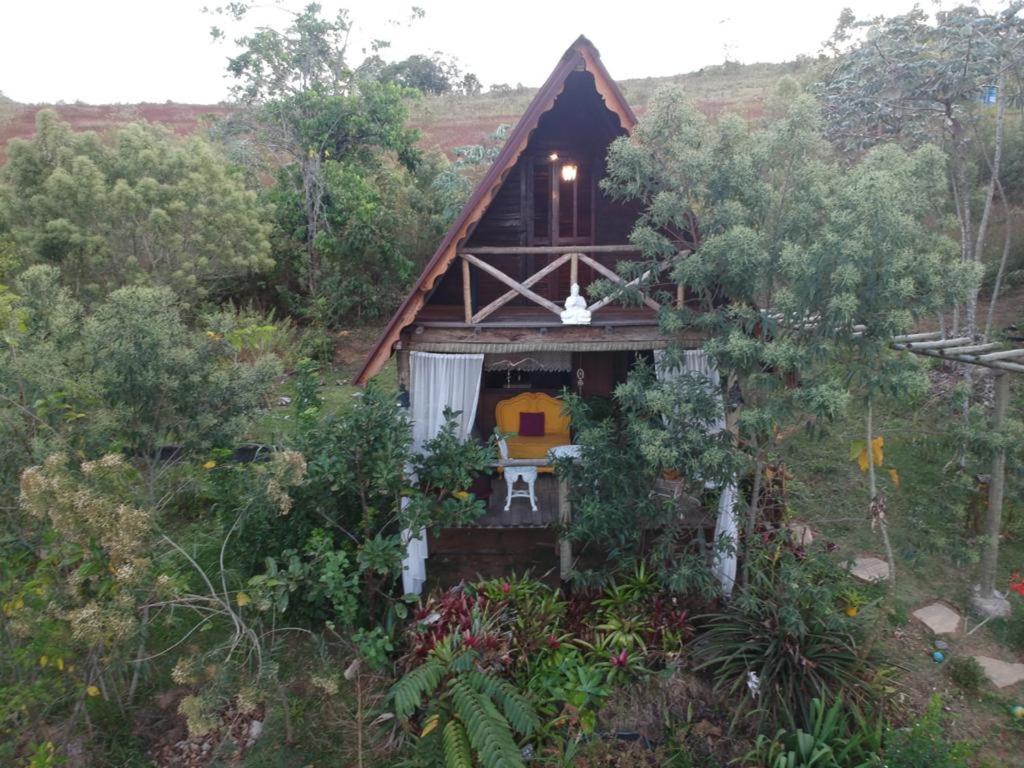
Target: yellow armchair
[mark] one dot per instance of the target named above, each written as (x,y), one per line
(556,425)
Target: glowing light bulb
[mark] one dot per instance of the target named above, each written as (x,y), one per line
(569,172)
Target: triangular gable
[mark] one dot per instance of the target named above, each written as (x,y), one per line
(581,55)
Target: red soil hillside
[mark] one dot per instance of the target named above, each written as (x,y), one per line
(18,121)
(444,121)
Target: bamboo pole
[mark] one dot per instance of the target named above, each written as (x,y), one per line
(498,250)
(1006,353)
(993,520)
(564,520)
(467,292)
(508,296)
(513,284)
(939,344)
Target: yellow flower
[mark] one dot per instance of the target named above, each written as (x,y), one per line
(60,664)
(92,691)
(210,464)
(242,599)
(44,660)
(461,495)
(851,611)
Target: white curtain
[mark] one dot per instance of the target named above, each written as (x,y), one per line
(436,381)
(724,564)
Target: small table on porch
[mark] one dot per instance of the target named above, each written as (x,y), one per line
(517,467)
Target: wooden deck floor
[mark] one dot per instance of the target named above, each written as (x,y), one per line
(520,515)
(532,316)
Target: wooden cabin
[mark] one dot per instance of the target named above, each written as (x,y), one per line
(494,292)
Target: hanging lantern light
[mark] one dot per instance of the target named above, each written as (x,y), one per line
(569,172)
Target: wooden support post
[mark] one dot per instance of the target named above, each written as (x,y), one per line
(680,296)
(403,369)
(993,521)
(564,520)
(574,269)
(467,292)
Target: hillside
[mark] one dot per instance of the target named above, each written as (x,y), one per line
(445,121)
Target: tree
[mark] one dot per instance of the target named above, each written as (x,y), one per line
(878,267)
(143,206)
(130,377)
(913,81)
(306,105)
(725,208)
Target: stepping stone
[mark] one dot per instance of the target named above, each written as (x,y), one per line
(1001,673)
(939,618)
(869,569)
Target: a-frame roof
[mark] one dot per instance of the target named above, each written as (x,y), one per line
(581,55)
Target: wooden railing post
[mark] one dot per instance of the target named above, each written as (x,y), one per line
(574,269)
(467,292)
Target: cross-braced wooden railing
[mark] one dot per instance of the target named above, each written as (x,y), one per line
(572,255)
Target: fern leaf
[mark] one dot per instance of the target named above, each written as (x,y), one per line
(457,752)
(517,708)
(489,732)
(409,691)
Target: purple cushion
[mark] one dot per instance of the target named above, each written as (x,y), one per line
(531,425)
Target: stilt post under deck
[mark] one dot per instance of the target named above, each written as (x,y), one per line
(564,545)
(990,554)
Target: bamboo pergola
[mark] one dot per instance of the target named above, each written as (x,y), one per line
(963,349)
(1003,360)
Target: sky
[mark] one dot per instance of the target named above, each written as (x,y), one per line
(127,51)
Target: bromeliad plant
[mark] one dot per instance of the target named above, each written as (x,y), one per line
(782,643)
(465,714)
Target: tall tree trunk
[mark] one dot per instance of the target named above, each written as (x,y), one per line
(1002,262)
(873,493)
(312,198)
(994,169)
(751,524)
(993,520)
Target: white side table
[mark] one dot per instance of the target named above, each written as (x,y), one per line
(527,475)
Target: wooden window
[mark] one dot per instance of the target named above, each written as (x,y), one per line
(561,203)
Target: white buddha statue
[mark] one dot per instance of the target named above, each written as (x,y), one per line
(576,312)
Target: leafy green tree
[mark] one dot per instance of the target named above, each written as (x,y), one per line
(656,428)
(130,377)
(915,80)
(143,206)
(725,208)
(430,75)
(41,393)
(879,266)
(164,382)
(341,135)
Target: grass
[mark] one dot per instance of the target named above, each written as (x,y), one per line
(937,558)
(276,425)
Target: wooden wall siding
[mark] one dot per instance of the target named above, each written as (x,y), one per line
(581,56)
(578,125)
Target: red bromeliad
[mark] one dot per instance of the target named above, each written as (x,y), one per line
(1017,583)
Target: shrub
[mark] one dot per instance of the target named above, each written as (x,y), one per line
(252,334)
(464,710)
(924,744)
(967,673)
(828,743)
(785,641)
